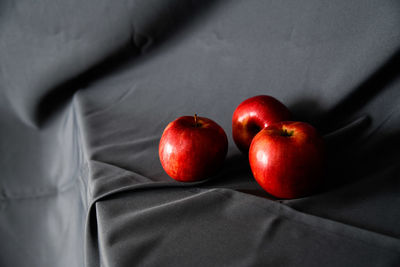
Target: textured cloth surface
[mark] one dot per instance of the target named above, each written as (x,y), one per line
(87,87)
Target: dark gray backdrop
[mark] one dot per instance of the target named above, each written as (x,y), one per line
(87,88)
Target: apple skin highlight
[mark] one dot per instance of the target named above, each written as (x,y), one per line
(287,159)
(253,115)
(192,148)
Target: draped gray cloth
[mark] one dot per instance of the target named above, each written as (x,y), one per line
(87,88)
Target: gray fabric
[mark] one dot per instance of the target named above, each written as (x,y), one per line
(87,88)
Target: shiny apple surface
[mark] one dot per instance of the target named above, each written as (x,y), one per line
(253,115)
(192,148)
(287,159)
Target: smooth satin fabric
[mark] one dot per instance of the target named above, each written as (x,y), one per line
(87,88)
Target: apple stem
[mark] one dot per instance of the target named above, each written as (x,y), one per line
(287,133)
(195,120)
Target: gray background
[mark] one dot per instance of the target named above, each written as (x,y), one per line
(87,88)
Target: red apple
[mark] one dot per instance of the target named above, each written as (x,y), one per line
(287,159)
(192,148)
(253,115)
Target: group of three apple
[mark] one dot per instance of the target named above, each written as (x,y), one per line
(286,157)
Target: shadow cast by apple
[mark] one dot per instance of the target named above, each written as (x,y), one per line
(351,163)
(307,110)
(235,167)
(236,175)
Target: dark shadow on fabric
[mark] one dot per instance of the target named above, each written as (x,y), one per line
(311,111)
(167,25)
(236,165)
(348,134)
(352,162)
(307,110)
(234,174)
